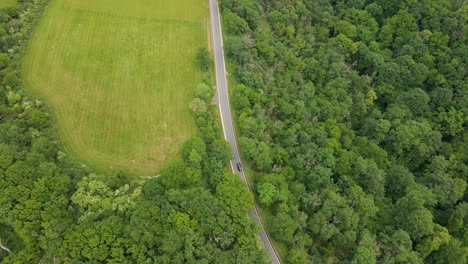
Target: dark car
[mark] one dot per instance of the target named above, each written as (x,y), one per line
(239,166)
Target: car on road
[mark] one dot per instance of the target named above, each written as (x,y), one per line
(239,166)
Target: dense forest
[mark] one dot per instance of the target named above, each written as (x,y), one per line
(55,210)
(353,114)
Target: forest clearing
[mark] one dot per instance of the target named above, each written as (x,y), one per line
(119,78)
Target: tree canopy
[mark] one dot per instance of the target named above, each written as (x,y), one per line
(353,115)
(55,210)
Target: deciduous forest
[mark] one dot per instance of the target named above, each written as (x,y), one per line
(55,210)
(353,114)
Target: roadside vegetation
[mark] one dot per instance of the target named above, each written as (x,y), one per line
(55,210)
(118,78)
(353,115)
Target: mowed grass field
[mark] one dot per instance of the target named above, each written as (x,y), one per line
(119,76)
(7,3)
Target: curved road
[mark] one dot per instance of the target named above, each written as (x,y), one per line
(226,119)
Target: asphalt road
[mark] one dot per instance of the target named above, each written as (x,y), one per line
(226,119)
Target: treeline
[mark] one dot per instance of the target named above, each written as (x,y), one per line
(55,210)
(354,116)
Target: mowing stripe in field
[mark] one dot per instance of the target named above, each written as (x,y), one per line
(118,76)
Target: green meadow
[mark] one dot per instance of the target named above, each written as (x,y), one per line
(7,3)
(119,76)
